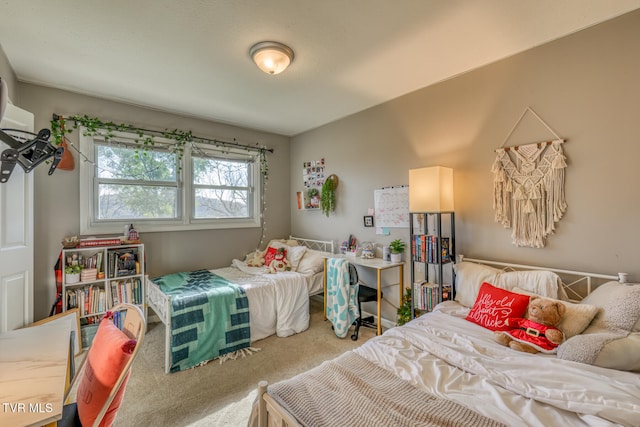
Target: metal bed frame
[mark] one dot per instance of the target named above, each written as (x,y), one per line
(160,303)
(269,412)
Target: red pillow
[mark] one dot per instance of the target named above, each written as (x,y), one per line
(271,254)
(495,305)
(109,353)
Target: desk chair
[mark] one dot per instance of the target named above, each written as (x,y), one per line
(105,370)
(365,294)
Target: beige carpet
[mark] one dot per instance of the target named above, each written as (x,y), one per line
(222,394)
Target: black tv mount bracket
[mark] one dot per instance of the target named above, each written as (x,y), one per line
(28,150)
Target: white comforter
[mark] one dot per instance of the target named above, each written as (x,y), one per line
(450,357)
(278,303)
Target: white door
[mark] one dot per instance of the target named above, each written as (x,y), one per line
(16,235)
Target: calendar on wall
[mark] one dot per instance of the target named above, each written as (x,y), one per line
(392,207)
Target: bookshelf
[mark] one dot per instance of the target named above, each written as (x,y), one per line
(109,275)
(432,259)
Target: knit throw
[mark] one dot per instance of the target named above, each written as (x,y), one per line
(528,191)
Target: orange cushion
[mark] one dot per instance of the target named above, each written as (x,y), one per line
(107,357)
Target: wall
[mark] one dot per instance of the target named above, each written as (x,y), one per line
(585,86)
(7,74)
(56,197)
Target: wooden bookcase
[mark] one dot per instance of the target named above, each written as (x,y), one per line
(432,249)
(116,274)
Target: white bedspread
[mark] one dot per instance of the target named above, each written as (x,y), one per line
(453,358)
(278,303)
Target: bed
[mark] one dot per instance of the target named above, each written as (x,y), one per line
(278,303)
(442,369)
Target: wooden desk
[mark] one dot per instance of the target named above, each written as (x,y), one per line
(33,369)
(379,265)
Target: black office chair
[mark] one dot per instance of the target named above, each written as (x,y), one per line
(365,294)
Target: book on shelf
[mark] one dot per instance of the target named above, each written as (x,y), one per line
(445,253)
(427,295)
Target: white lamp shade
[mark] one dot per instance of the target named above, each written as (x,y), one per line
(271,57)
(431,189)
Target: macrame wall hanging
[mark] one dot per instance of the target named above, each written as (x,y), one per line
(528,188)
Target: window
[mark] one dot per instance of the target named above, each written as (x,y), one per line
(206,188)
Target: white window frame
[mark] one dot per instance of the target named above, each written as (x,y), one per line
(90,225)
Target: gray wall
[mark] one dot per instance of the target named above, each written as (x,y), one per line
(585,86)
(7,74)
(56,201)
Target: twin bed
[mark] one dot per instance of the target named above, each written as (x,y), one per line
(276,303)
(442,369)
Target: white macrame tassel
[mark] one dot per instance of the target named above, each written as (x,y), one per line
(531,200)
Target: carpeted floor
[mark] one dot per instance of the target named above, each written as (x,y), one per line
(222,394)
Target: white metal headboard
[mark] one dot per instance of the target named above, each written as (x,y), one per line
(319,245)
(570,279)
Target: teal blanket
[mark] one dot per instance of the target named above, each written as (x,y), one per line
(209,317)
(342,297)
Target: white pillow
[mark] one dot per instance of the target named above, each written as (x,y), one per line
(469,278)
(540,282)
(313,261)
(577,317)
(294,253)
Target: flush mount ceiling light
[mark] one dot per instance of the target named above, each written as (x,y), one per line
(271,57)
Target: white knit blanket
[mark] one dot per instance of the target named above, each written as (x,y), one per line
(352,391)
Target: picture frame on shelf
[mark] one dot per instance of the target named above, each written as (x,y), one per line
(368,220)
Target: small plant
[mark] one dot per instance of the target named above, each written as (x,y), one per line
(312,192)
(72,269)
(396,246)
(404,311)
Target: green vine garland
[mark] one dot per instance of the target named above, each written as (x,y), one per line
(328,195)
(94,126)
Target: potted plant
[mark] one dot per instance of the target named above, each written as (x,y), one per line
(404,311)
(72,273)
(397,248)
(312,196)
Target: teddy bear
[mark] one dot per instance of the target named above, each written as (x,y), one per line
(279,262)
(537,331)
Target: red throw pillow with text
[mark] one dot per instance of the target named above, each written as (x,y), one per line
(271,254)
(495,305)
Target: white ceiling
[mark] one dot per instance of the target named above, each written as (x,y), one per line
(191,56)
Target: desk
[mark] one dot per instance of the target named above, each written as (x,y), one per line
(379,265)
(33,370)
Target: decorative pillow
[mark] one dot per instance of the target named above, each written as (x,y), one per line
(611,340)
(541,282)
(313,261)
(495,305)
(270,255)
(469,278)
(576,316)
(109,353)
(294,253)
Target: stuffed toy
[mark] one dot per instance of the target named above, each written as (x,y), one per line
(537,331)
(279,262)
(255,259)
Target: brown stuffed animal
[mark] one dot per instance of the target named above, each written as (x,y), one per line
(536,332)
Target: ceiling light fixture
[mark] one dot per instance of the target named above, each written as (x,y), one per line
(271,57)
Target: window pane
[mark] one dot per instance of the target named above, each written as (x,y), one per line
(137,202)
(210,203)
(121,162)
(220,172)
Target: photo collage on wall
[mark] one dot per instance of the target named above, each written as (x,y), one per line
(312,180)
